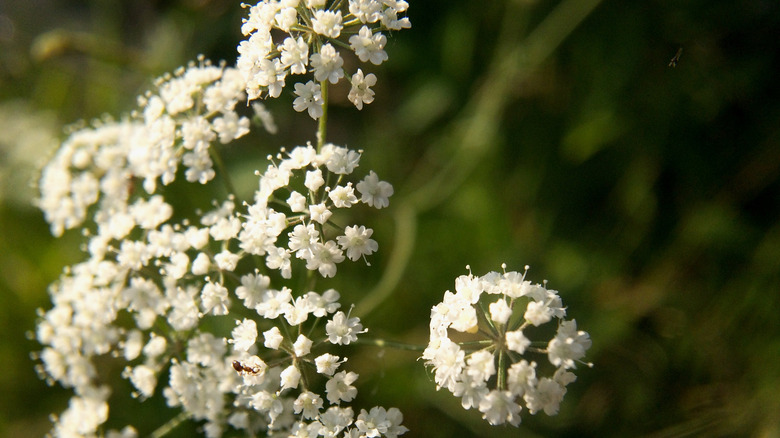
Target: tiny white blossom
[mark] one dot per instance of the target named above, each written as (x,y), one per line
(327,363)
(327,64)
(327,23)
(290,377)
(339,388)
(314,180)
(201,264)
(319,213)
(361,92)
(302,346)
(226,260)
(343,196)
(500,311)
(517,342)
(374,192)
(273,338)
(244,335)
(297,202)
(309,99)
(357,242)
(369,46)
(343,330)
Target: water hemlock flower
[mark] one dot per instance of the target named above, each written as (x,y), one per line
(311,32)
(154,286)
(481,347)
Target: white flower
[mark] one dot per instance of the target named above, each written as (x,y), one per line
(327,23)
(369,46)
(319,213)
(201,264)
(226,260)
(537,313)
(361,92)
(327,363)
(356,242)
(252,288)
(273,338)
(480,366)
(309,99)
(500,311)
(343,196)
(308,404)
(214,299)
(314,180)
(568,345)
(295,55)
(517,342)
(144,379)
(343,330)
(499,407)
(546,396)
(340,160)
(290,377)
(297,202)
(275,303)
(327,64)
(373,192)
(302,346)
(367,11)
(473,377)
(324,257)
(339,388)
(230,127)
(244,335)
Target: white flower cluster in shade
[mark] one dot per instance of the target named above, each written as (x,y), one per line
(281,384)
(311,31)
(175,126)
(493,318)
(320,176)
(154,289)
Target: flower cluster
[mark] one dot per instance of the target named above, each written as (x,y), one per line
(175,280)
(281,385)
(479,338)
(320,176)
(311,32)
(175,126)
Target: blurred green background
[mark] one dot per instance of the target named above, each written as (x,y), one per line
(547,133)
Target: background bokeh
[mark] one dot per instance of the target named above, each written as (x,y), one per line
(548,133)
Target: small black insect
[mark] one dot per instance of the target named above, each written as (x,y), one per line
(676,58)
(241,368)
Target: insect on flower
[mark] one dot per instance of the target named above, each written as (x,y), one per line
(241,368)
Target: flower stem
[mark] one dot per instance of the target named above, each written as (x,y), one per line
(169,426)
(322,127)
(501,383)
(214,153)
(391,344)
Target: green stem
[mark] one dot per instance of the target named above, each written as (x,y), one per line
(169,426)
(475,132)
(501,383)
(214,153)
(322,128)
(391,344)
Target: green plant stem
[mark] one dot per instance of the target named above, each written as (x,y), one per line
(405,235)
(390,344)
(322,127)
(223,172)
(169,426)
(475,131)
(501,383)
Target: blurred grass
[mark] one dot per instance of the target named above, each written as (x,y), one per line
(648,195)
